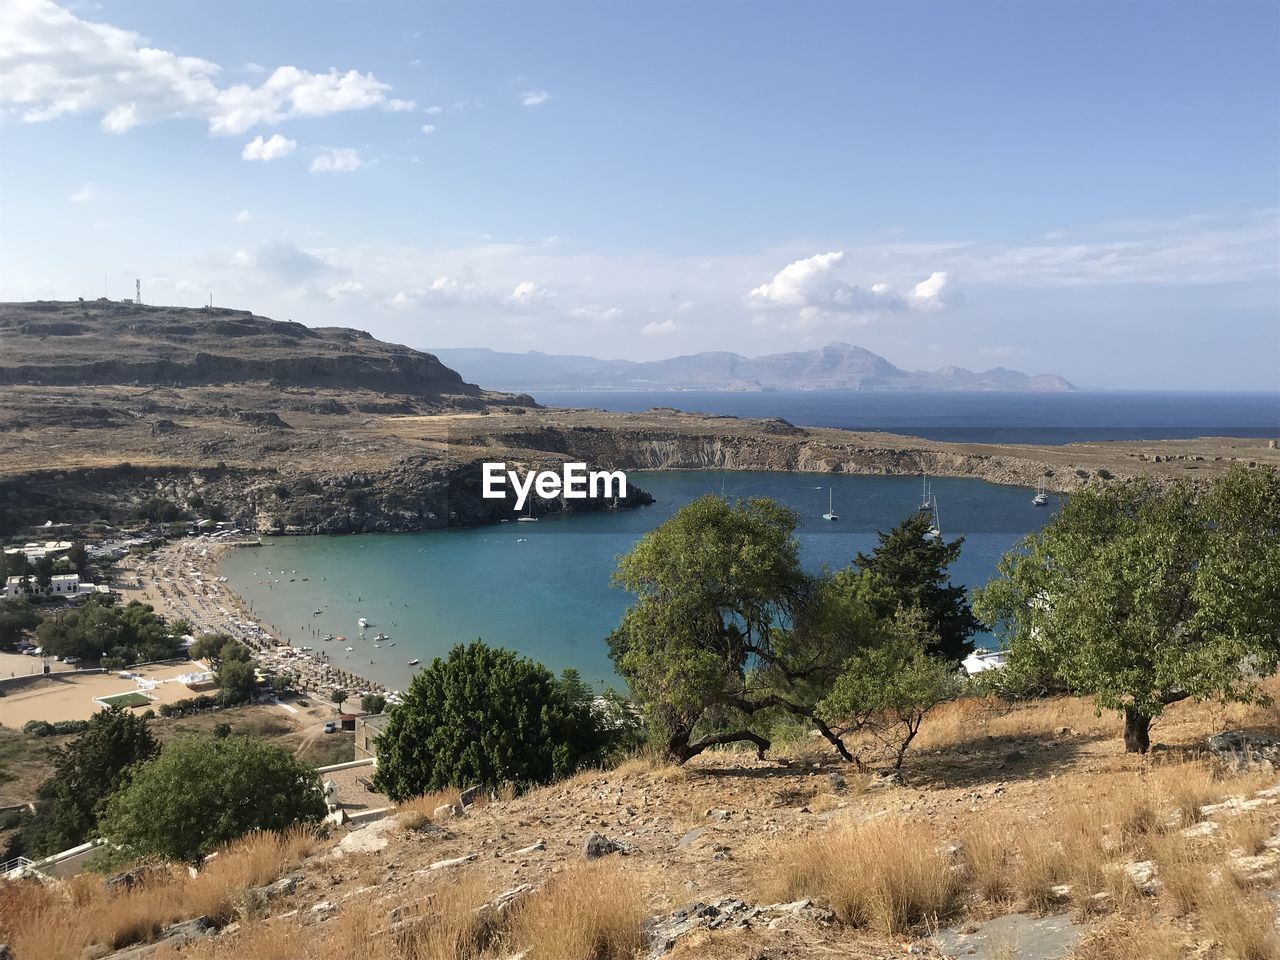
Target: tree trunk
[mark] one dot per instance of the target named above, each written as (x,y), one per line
(1137,731)
(682,750)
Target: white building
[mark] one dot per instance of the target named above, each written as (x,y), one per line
(62,585)
(38,551)
(982,660)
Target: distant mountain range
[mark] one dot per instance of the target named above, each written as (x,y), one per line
(837,366)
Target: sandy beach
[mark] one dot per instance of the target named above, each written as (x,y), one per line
(181,581)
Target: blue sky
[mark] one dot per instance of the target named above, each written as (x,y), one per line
(1089,189)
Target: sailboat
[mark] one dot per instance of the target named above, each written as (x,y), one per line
(528,514)
(929,505)
(1041,498)
(831,509)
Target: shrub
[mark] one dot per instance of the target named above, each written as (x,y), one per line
(200,794)
(589,912)
(486,716)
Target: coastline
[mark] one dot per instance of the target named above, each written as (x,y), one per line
(182,580)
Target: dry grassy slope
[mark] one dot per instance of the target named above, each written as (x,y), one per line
(1008,802)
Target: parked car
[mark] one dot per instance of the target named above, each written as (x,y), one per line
(330,727)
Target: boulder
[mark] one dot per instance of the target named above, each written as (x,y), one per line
(598,845)
(1240,748)
(470,795)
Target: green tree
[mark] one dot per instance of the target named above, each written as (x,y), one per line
(78,557)
(44,573)
(129,634)
(484,716)
(888,688)
(85,772)
(17,617)
(237,682)
(909,569)
(1143,595)
(711,584)
(373,703)
(200,794)
(339,697)
(209,646)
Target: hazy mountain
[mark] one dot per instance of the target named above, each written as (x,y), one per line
(837,366)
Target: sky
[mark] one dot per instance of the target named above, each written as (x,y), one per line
(1084,188)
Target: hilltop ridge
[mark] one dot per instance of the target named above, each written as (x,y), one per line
(104,342)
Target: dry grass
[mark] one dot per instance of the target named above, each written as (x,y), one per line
(1131,938)
(1188,787)
(988,856)
(1241,920)
(426,804)
(1248,833)
(591,911)
(1183,870)
(58,922)
(887,874)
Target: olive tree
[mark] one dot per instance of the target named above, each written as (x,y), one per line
(887,688)
(724,626)
(1143,595)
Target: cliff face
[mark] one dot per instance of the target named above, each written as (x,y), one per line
(103,342)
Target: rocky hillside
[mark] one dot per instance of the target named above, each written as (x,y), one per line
(101,342)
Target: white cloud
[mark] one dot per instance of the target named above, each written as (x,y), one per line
(337,160)
(931,293)
(812,289)
(595,311)
(433,110)
(428,128)
(244,216)
(54,64)
(528,294)
(534,98)
(86,193)
(400,106)
(346,288)
(660,328)
(273,148)
(684,306)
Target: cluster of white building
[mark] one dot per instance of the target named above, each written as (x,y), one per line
(38,551)
(60,585)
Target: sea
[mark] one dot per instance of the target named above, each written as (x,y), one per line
(978,417)
(544,589)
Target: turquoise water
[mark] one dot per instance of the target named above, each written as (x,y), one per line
(543,588)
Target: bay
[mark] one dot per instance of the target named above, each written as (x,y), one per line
(543,589)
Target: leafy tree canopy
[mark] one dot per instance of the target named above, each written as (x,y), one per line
(200,794)
(16,618)
(1143,595)
(887,688)
(129,634)
(85,772)
(909,569)
(487,716)
(237,681)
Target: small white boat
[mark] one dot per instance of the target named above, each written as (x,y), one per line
(1041,498)
(831,509)
(362,623)
(350,649)
(382,636)
(414,662)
